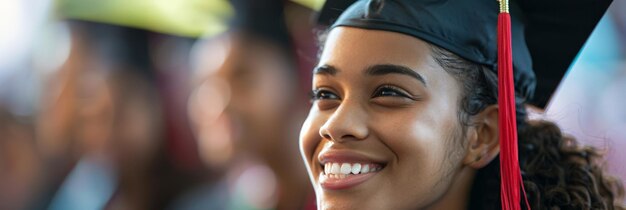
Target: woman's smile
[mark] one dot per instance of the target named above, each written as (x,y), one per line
(343,169)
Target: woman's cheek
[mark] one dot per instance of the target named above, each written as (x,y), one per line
(309,135)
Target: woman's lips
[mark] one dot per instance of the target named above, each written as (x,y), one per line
(339,176)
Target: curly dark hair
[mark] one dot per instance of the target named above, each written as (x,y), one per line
(558,173)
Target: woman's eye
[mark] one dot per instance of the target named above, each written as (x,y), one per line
(386,91)
(323,95)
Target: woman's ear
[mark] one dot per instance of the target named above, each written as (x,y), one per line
(483,143)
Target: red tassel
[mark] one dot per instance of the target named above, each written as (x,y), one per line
(511,178)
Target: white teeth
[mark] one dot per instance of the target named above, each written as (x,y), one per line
(342,170)
(365,169)
(334,168)
(356,168)
(345,168)
(327,168)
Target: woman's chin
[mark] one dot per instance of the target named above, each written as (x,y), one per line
(337,200)
(339,203)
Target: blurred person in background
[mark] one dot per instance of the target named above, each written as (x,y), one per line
(107,123)
(249,102)
(113,127)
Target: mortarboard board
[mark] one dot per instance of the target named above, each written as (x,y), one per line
(536,43)
(186,18)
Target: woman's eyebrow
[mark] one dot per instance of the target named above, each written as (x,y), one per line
(375,70)
(325,69)
(383,69)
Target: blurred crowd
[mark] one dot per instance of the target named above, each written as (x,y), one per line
(157,105)
(197,104)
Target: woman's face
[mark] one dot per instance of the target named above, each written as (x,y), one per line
(385,113)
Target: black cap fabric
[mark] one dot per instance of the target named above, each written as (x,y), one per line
(262,18)
(546,35)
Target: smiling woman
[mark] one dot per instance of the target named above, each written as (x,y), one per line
(405,116)
(402,128)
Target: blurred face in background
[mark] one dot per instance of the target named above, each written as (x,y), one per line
(77,112)
(115,116)
(92,106)
(245,101)
(246,110)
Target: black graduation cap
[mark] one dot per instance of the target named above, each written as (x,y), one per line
(546,35)
(118,45)
(262,18)
(527,43)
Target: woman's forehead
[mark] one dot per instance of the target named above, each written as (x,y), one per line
(354,47)
(355,50)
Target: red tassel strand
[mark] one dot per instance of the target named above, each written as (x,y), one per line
(511,179)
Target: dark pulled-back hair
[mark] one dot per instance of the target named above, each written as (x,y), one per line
(558,173)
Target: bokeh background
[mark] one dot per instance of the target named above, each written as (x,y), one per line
(197,104)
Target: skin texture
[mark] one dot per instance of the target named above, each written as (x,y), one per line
(410,126)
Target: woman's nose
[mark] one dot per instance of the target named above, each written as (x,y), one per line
(348,122)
